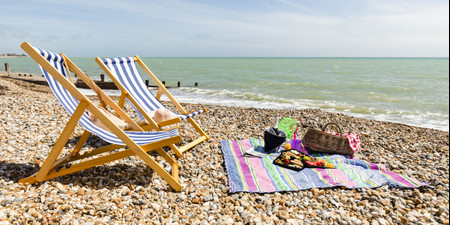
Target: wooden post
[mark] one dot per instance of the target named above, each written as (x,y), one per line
(179,84)
(102,77)
(7,69)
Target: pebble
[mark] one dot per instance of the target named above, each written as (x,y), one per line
(283,214)
(127,191)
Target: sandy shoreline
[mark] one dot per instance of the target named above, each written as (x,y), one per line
(127,191)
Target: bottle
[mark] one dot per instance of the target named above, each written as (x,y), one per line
(287,145)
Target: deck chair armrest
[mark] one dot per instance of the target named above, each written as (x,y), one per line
(176,120)
(204,110)
(169,122)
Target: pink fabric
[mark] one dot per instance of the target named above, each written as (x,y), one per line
(353,140)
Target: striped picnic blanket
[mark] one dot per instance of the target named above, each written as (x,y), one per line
(252,174)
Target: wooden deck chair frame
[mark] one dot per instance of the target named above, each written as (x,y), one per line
(54,167)
(150,122)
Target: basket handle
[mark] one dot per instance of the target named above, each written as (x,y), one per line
(335,124)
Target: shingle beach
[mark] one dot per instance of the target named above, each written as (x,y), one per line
(129,192)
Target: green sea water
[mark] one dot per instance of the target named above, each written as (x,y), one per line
(413,91)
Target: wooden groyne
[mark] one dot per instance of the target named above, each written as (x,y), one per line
(102,83)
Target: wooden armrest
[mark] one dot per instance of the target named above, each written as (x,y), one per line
(169,122)
(204,109)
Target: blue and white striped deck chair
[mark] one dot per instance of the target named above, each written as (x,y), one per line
(138,142)
(124,73)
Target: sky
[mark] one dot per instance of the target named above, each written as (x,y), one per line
(228,28)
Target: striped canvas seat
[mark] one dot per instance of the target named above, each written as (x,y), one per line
(70,104)
(124,69)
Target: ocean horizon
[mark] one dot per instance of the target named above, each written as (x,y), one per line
(408,90)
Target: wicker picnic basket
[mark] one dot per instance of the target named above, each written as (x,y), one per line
(320,141)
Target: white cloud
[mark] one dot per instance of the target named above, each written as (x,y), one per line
(180,28)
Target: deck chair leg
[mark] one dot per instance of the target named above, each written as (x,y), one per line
(174,183)
(203,137)
(59,145)
(75,151)
(192,144)
(81,143)
(166,156)
(171,161)
(141,153)
(197,128)
(177,151)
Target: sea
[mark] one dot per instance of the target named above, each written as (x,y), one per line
(412,91)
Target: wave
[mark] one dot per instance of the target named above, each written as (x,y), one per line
(432,120)
(257,100)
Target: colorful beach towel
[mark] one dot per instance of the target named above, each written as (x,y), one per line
(253,174)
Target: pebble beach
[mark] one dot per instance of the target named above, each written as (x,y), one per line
(129,192)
